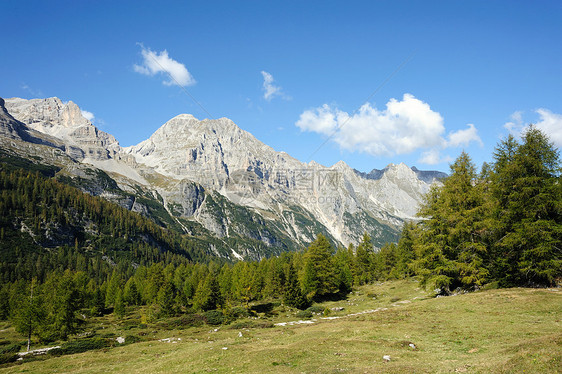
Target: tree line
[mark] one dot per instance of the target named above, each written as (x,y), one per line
(55,308)
(501,226)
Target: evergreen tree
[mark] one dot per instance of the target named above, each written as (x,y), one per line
(343,261)
(207,296)
(318,277)
(119,308)
(113,287)
(526,187)
(131,294)
(166,299)
(293,295)
(363,261)
(28,313)
(62,301)
(98,307)
(450,252)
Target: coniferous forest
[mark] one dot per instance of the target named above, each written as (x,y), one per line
(497,227)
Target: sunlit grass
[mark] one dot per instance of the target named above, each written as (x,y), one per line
(497,331)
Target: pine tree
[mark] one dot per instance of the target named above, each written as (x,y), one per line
(119,308)
(450,252)
(98,302)
(28,313)
(207,296)
(293,295)
(166,299)
(131,294)
(528,215)
(318,277)
(112,288)
(364,261)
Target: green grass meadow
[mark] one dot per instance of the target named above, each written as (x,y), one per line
(496,331)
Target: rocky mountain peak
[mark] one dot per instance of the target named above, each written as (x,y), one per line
(64,121)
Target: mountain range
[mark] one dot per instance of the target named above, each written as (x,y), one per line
(211,180)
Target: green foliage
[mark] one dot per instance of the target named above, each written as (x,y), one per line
(119,308)
(131,294)
(294,296)
(6,358)
(450,248)
(527,211)
(28,312)
(166,299)
(207,296)
(79,346)
(319,275)
(214,317)
(10,348)
(304,314)
(503,226)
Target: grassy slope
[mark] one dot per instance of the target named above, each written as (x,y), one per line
(498,331)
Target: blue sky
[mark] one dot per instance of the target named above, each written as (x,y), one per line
(369,82)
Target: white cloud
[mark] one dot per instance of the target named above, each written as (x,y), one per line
(433,157)
(271,90)
(515,126)
(464,137)
(159,62)
(88,115)
(550,123)
(403,127)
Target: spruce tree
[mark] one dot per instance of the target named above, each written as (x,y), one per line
(119,308)
(293,295)
(166,299)
(528,215)
(364,261)
(450,251)
(28,313)
(318,277)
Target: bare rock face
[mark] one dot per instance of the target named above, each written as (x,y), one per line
(220,156)
(64,121)
(10,128)
(229,182)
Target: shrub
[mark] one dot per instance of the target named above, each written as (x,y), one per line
(304,314)
(129,339)
(191,320)
(10,348)
(316,309)
(214,317)
(238,312)
(79,346)
(8,357)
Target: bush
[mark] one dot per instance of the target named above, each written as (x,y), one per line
(79,346)
(263,308)
(191,320)
(129,339)
(10,348)
(6,358)
(316,309)
(214,317)
(304,314)
(238,312)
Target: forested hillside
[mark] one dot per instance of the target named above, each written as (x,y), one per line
(67,257)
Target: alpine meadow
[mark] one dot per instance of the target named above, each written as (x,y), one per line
(165,205)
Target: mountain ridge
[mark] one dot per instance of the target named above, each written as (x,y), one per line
(203,171)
